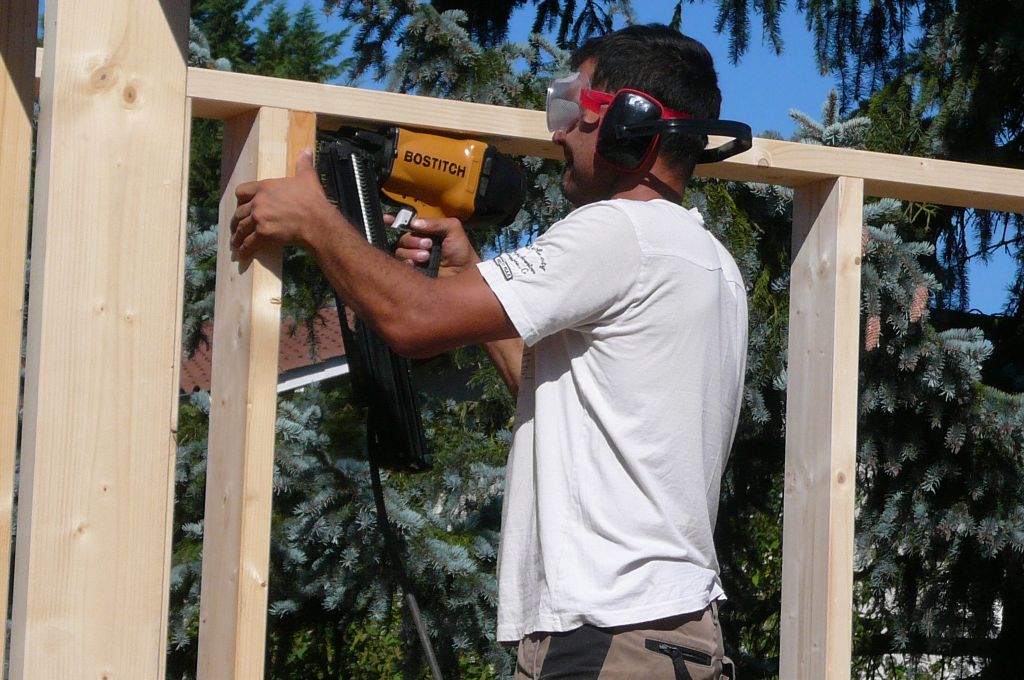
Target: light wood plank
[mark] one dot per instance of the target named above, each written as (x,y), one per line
(821,432)
(17,95)
(96,502)
(220,95)
(236,539)
(907,178)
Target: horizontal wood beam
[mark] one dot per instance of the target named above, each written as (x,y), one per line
(909,178)
(217,94)
(222,94)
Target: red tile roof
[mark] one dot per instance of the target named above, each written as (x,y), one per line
(296,349)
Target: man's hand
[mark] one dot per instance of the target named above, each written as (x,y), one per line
(287,211)
(457,252)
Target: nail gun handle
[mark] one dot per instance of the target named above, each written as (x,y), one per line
(434,263)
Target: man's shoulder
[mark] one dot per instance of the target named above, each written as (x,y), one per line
(632,215)
(628,206)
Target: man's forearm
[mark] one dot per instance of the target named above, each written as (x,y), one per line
(416,315)
(507,357)
(372,282)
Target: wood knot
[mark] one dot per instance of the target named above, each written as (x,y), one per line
(103,78)
(131,96)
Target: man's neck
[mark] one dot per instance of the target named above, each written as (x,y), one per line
(651,187)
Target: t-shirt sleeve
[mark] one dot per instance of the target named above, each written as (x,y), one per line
(584,266)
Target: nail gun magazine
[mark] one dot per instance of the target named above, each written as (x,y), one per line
(430,175)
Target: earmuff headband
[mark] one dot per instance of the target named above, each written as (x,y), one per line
(740,133)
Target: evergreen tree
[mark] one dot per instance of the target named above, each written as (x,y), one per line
(949,89)
(748,537)
(943,79)
(939,528)
(293,47)
(228,26)
(385,24)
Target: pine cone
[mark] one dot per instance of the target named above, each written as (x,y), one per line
(918,303)
(872,332)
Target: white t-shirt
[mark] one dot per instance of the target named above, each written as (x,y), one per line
(635,323)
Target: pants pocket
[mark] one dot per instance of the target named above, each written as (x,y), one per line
(680,656)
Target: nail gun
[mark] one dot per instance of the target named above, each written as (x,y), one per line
(429,175)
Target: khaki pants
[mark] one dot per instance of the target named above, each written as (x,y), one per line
(686,647)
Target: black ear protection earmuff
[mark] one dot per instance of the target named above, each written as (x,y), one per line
(633,123)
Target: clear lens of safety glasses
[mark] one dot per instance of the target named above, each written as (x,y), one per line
(563,104)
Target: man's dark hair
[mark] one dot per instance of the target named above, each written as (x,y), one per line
(673,68)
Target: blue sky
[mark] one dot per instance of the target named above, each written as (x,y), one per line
(761,90)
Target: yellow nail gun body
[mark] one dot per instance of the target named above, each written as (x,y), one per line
(446,177)
(442,176)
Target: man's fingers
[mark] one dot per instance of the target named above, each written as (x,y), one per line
(412,254)
(246,244)
(435,225)
(241,212)
(242,219)
(414,241)
(245,191)
(305,162)
(241,229)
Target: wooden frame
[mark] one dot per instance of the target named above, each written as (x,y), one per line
(93,541)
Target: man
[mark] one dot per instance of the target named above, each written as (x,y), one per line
(623,332)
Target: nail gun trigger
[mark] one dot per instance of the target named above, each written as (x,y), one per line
(402,219)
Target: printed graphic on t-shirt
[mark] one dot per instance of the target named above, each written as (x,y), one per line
(524,261)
